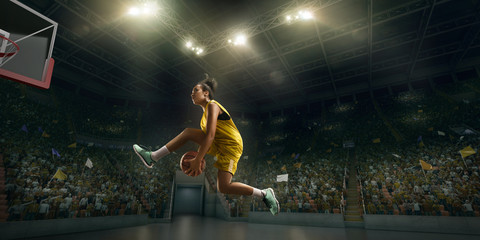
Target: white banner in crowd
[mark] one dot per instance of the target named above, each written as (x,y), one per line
(89,163)
(282,178)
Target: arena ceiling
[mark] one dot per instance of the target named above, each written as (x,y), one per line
(352,48)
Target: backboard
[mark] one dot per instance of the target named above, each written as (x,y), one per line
(35,36)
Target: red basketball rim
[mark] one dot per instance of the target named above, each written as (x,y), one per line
(9,54)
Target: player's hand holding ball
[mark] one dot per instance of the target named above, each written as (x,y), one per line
(192,166)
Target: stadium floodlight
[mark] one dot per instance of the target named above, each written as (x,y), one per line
(194,48)
(301,15)
(134,11)
(146,9)
(240,40)
(305,15)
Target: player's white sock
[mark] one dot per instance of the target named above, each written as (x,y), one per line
(162,152)
(258,193)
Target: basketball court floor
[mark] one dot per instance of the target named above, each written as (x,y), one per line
(185,227)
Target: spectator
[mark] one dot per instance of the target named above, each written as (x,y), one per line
(468,209)
(63,210)
(43,210)
(15,211)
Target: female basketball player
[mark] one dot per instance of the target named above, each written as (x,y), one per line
(218,137)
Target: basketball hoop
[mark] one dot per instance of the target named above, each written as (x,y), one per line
(8,49)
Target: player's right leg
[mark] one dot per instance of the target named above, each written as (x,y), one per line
(189,134)
(150,157)
(144,154)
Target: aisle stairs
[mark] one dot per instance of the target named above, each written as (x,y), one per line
(353,210)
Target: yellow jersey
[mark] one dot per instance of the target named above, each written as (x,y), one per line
(228,141)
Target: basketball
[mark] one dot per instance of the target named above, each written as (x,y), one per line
(185,165)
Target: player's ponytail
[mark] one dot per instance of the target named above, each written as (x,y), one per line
(209,84)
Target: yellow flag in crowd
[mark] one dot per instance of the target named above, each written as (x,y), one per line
(376,140)
(60,175)
(44,134)
(284,168)
(467,152)
(420,110)
(421,144)
(297,165)
(73,145)
(426,166)
(329,150)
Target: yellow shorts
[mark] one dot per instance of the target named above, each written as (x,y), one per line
(226,161)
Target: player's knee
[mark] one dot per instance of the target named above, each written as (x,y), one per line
(187,130)
(187,133)
(223,188)
(193,132)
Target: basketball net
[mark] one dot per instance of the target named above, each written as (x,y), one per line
(8,49)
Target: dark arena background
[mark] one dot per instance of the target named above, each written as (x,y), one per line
(362,115)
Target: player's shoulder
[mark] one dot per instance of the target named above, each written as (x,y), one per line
(214,105)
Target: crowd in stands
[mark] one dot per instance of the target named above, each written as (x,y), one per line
(390,134)
(314,186)
(392,178)
(388,167)
(315,179)
(35,146)
(399,185)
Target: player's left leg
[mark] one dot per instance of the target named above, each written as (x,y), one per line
(226,186)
